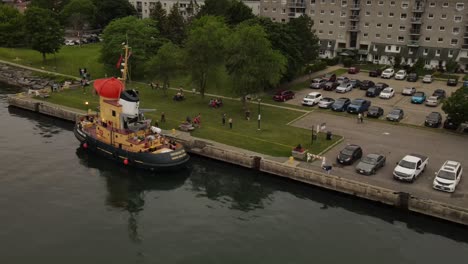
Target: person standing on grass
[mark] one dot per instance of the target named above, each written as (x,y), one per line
(224,119)
(163,117)
(230,122)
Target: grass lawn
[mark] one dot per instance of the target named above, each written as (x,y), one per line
(67,61)
(340,71)
(275,138)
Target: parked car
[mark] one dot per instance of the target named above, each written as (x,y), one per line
(452,82)
(412,77)
(366,84)
(312,99)
(448,176)
(69,42)
(329,77)
(355,83)
(317,83)
(370,164)
(432,101)
(344,87)
(439,93)
(396,115)
(400,75)
(342,79)
(349,154)
(410,167)
(375,111)
(449,123)
(353,70)
(418,98)
(387,93)
(358,106)
(283,95)
(341,104)
(388,73)
(433,119)
(330,86)
(408,91)
(374,91)
(375,73)
(326,102)
(427,78)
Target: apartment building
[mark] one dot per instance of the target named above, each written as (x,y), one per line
(380,30)
(144,7)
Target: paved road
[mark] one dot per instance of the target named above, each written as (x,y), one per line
(395,142)
(415,114)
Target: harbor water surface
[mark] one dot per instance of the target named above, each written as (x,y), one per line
(60,204)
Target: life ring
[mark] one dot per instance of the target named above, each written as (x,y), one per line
(101,133)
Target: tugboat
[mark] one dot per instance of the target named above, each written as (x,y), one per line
(120,131)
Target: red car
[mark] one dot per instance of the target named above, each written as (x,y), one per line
(283,95)
(353,70)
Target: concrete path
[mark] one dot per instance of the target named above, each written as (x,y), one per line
(36,69)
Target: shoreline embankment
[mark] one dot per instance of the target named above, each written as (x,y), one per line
(266,164)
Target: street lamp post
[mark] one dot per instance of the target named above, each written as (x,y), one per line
(259,113)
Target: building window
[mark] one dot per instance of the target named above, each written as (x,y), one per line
(437,52)
(379,25)
(368,2)
(366,24)
(344,2)
(283,20)
(425,51)
(450,53)
(457,18)
(429,28)
(366,35)
(374,48)
(331,22)
(427,39)
(274,9)
(402,28)
(446,4)
(442,28)
(330,32)
(380,13)
(343,13)
(432,4)
(265,9)
(455,30)
(397,48)
(392,3)
(377,35)
(454,42)
(380,2)
(342,24)
(320,31)
(430,16)
(443,16)
(401,39)
(404,5)
(321,21)
(312,12)
(427,62)
(390,26)
(312,2)
(113,112)
(329,42)
(389,36)
(403,16)
(367,13)
(391,14)
(332,12)
(460,6)
(322,12)
(440,40)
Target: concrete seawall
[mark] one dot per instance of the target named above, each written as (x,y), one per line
(288,170)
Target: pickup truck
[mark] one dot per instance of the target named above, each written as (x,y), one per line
(410,167)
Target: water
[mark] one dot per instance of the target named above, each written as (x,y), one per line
(63,205)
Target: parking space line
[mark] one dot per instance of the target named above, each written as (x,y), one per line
(297,118)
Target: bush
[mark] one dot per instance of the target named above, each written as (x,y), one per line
(348,62)
(332,61)
(315,67)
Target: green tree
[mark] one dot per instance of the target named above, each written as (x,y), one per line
(166,64)
(205,48)
(175,26)
(43,31)
(456,106)
(78,14)
(53,5)
(251,62)
(109,10)
(238,12)
(214,8)
(306,39)
(142,36)
(11,27)
(159,15)
(451,66)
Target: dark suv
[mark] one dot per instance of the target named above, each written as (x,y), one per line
(434,119)
(358,106)
(366,84)
(449,123)
(412,77)
(349,154)
(375,73)
(452,82)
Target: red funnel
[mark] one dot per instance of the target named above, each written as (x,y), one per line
(109,87)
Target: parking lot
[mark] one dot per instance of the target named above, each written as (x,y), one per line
(415,114)
(395,142)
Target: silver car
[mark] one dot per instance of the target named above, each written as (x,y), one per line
(427,78)
(432,101)
(408,91)
(326,102)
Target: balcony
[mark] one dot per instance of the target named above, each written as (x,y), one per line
(354,7)
(465,35)
(295,14)
(297,5)
(413,43)
(353,28)
(465,46)
(416,20)
(415,32)
(354,18)
(418,9)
